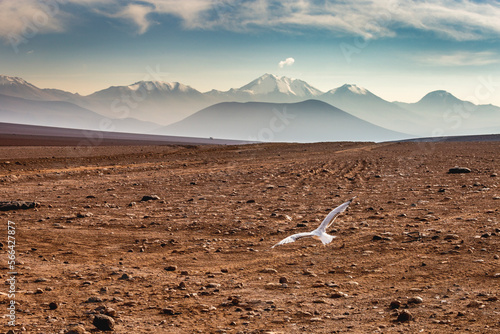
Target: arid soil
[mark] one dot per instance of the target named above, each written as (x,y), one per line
(417,243)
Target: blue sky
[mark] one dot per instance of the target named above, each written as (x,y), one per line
(400,50)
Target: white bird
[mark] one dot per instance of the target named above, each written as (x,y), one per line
(320,232)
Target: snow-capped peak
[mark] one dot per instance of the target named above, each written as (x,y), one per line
(160,86)
(7,80)
(270,83)
(350,88)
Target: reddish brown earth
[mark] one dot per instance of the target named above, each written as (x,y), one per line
(437,237)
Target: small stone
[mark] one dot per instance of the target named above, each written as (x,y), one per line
(415,300)
(269,271)
(283,280)
(125,277)
(79,329)
(104,322)
(171,268)
(395,304)
(212,286)
(168,311)
(404,316)
(459,170)
(53,306)
(451,237)
(475,303)
(338,294)
(94,299)
(150,198)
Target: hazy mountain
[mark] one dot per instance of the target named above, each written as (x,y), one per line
(437,113)
(363,104)
(18,87)
(447,115)
(155,101)
(269,88)
(308,121)
(64,114)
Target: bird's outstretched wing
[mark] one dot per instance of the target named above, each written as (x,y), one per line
(331,216)
(293,237)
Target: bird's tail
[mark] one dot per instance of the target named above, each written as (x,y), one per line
(326,238)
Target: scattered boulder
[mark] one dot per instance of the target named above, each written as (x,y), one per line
(459,170)
(79,329)
(395,304)
(150,198)
(415,300)
(104,322)
(94,299)
(171,268)
(18,205)
(404,316)
(53,306)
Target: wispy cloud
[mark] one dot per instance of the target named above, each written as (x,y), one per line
(447,19)
(462,58)
(135,13)
(286,62)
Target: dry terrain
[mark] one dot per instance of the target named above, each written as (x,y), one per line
(417,243)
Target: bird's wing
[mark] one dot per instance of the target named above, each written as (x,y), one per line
(293,237)
(326,222)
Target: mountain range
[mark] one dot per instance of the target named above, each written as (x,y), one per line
(160,107)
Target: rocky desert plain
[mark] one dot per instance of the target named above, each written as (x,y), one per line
(177,239)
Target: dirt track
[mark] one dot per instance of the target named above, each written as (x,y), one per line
(413,231)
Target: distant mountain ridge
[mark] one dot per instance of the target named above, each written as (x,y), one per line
(167,103)
(306,121)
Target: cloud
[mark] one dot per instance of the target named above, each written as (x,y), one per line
(447,19)
(286,62)
(29,17)
(137,14)
(461,58)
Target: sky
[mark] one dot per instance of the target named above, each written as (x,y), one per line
(398,49)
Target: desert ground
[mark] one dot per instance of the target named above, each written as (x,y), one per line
(417,250)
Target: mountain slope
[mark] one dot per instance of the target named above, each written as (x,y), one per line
(18,87)
(269,88)
(64,114)
(363,104)
(308,121)
(160,102)
(447,115)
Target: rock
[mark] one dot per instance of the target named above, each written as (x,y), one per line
(171,268)
(94,299)
(251,201)
(168,311)
(395,304)
(459,170)
(79,329)
(212,286)
(150,198)
(269,271)
(53,306)
(415,300)
(338,294)
(283,280)
(18,205)
(84,215)
(125,277)
(104,322)
(476,304)
(404,316)
(451,237)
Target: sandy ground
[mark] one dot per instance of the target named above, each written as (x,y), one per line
(199,258)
